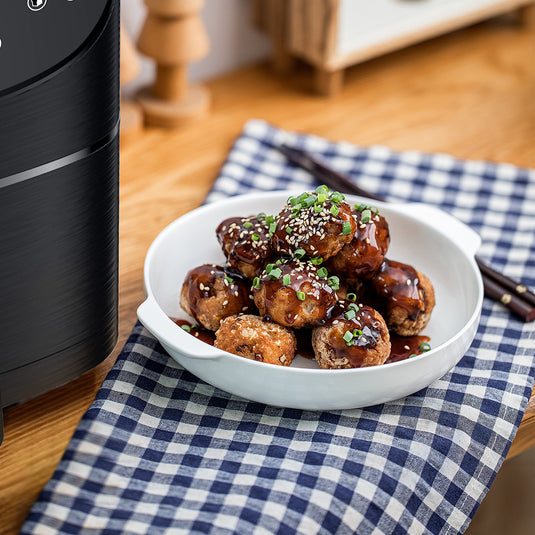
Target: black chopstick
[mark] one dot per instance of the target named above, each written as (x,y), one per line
(515,296)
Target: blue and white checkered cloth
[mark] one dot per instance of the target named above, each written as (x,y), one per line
(160,451)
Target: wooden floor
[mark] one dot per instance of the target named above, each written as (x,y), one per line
(470,93)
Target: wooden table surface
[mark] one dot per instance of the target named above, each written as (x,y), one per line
(470,93)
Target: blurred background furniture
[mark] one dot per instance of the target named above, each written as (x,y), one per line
(173,35)
(331,35)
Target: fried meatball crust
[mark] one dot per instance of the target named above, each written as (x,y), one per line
(246,242)
(320,229)
(255,338)
(210,293)
(408,295)
(362,257)
(355,336)
(294,293)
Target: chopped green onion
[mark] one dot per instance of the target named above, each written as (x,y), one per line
(351,297)
(348,337)
(261,216)
(186,328)
(337,197)
(322,190)
(318,207)
(360,207)
(270,219)
(353,306)
(286,280)
(322,197)
(272,228)
(346,228)
(425,347)
(300,295)
(350,314)
(275,274)
(299,253)
(366,216)
(309,201)
(289,230)
(269,267)
(292,201)
(256,283)
(357,333)
(377,211)
(335,210)
(229,279)
(413,355)
(247,224)
(302,197)
(255,237)
(317,261)
(334,282)
(322,273)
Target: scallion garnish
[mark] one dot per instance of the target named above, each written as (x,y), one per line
(348,337)
(300,295)
(272,228)
(425,347)
(360,207)
(289,230)
(346,228)
(350,314)
(366,216)
(322,273)
(299,253)
(318,207)
(337,197)
(335,210)
(255,237)
(309,201)
(275,274)
(256,283)
(353,306)
(334,282)
(269,268)
(317,261)
(351,297)
(247,224)
(229,279)
(286,280)
(357,333)
(261,216)
(322,197)
(322,190)
(186,328)
(270,219)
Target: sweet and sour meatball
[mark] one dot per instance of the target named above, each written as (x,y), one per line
(254,338)
(246,242)
(295,293)
(355,336)
(317,224)
(210,294)
(408,295)
(362,257)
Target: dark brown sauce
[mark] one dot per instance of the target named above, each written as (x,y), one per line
(398,283)
(198,331)
(405,346)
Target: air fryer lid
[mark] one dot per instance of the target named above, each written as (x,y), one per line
(34,42)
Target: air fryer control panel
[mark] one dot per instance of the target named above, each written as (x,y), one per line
(38,35)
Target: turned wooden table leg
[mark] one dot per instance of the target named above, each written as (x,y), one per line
(328,83)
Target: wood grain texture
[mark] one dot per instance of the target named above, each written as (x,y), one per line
(469,94)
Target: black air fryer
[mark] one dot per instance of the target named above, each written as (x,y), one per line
(59,178)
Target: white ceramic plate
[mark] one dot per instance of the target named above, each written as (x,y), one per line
(421,235)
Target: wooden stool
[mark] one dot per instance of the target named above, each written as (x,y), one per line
(131,112)
(173,35)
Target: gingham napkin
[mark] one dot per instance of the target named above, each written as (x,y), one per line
(160,451)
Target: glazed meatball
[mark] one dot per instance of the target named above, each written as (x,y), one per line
(409,297)
(295,293)
(210,294)
(316,224)
(246,242)
(355,336)
(362,257)
(254,338)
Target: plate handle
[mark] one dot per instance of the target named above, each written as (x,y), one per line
(169,334)
(467,239)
